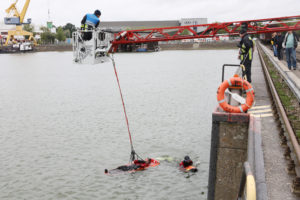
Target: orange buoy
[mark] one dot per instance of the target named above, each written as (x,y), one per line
(235,82)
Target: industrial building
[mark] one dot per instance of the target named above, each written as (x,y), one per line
(152,46)
(125,25)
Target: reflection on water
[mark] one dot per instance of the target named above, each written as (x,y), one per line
(62,124)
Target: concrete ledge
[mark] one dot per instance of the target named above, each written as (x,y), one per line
(45,48)
(220,116)
(235,139)
(228,153)
(256,158)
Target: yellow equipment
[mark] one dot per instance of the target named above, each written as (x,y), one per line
(17,18)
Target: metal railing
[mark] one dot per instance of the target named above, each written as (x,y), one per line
(292,145)
(229,65)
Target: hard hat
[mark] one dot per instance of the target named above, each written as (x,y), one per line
(97,12)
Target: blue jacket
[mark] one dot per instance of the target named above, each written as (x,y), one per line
(90,20)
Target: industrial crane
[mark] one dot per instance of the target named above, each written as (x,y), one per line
(258,26)
(17,18)
(104,42)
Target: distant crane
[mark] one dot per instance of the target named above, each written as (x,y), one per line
(17,18)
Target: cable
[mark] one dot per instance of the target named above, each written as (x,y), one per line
(133,153)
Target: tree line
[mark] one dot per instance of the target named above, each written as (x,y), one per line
(48,37)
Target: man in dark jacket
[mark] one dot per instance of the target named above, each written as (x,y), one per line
(273,42)
(90,22)
(246,51)
(278,43)
(290,44)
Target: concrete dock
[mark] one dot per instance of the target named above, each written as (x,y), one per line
(277,179)
(251,138)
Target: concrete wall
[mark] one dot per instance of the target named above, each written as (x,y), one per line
(65,47)
(229,142)
(123,25)
(177,45)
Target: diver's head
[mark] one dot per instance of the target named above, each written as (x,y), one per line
(187,158)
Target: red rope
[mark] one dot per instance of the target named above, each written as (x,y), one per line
(123,104)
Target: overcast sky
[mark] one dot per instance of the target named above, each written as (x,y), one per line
(64,11)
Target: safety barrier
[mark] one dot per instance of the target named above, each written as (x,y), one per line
(254,168)
(230,65)
(247,187)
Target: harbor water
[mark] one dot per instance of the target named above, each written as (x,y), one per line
(62,124)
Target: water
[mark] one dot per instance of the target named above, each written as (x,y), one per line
(62,124)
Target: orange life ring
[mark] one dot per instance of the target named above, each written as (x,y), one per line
(235,82)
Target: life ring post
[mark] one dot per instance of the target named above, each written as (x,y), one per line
(236,82)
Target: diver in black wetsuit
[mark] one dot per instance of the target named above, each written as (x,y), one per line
(128,167)
(137,165)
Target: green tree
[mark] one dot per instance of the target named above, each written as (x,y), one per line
(60,35)
(28,27)
(69,29)
(44,29)
(67,33)
(47,37)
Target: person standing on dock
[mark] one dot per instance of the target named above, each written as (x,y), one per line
(290,44)
(278,42)
(273,43)
(246,53)
(90,22)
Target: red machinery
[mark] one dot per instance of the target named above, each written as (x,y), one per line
(258,26)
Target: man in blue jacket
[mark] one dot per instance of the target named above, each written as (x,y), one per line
(90,22)
(290,44)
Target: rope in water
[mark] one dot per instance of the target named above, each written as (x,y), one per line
(133,154)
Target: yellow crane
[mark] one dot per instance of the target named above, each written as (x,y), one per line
(17,18)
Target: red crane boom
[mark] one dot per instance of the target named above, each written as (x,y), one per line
(258,26)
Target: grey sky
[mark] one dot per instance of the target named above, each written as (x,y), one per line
(63,11)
